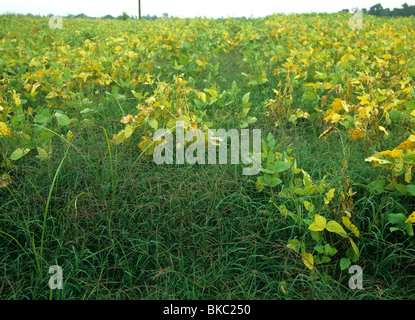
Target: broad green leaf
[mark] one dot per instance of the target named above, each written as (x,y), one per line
(308,221)
(294,245)
(275,181)
(409,229)
(281,166)
(245,98)
(154,124)
(323,259)
(352,255)
(329,250)
(411,189)
(44,117)
(243,124)
(345,263)
(44,153)
(377,186)
(63,119)
(320,249)
(252,120)
(316,235)
(396,218)
(18,153)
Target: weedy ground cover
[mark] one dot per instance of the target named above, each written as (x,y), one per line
(79,188)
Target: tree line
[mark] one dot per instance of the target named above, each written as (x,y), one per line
(379,11)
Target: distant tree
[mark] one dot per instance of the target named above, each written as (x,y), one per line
(345,10)
(108,16)
(396,12)
(385,12)
(148,17)
(165,15)
(376,9)
(408,10)
(81,15)
(124,16)
(405,11)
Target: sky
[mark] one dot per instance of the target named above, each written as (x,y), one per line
(187,8)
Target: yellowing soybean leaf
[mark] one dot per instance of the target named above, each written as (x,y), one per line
(411,218)
(308,260)
(34,87)
(336,117)
(297,170)
(4,130)
(408,174)
(154,124)
(16,97)
(380,161)
(336,105)
(350,226)
(294,245)
(203,96)
(119,137)
(319,223)
(356,133)
(329,196)
(128,131)
(84,75)
(213,93)
(383,129)
(44,154)
(308,206)
(354,246)
(335,227)
(259,186)
(306,179)
(18,153)
(5,180)
(69,136)
(283,287)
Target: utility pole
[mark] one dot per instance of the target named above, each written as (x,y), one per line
(139,9)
